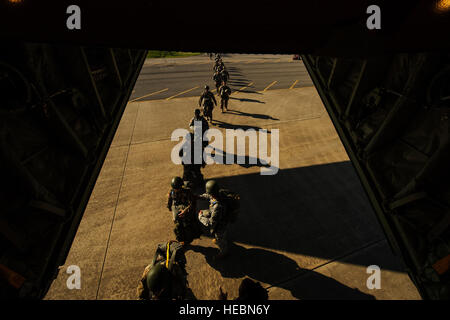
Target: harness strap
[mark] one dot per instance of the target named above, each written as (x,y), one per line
(167,255)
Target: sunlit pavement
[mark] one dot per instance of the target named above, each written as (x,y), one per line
(307,232)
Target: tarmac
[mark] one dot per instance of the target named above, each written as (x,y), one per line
(163,78)
(307,232)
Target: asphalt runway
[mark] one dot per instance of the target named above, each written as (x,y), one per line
(184,77)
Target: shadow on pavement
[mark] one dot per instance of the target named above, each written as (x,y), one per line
(237,82)
(320,211)
(190,294)
(249,91)
(275,269)
(248,161)
(236,75)
(246,100)
(235,86)
(226,125)
(253,115)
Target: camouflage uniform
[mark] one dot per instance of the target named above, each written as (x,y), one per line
(224,92)
(214,220)
(192,171)
(218,65)
(205,125)
(186,227)
(208,100)
(178,200)
(218,80)
(177,267)
(224,75)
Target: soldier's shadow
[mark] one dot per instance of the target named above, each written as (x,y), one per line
(225,125)
(279,271)
(253,115)
(248,161)
(246,100)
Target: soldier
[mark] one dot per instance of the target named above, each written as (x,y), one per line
(192,175)
(199,117)
(218,65)
(214,218)
(218,80)
(166,277)
(224,92)
(209,101)
(205,126)
(224,75)
(181,202)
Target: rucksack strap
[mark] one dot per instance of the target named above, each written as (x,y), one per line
(168,255)
(170,261)
(170,258)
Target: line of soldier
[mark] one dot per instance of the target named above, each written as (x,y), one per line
(165,277)
(207,99)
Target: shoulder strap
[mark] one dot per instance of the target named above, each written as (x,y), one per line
(168,255)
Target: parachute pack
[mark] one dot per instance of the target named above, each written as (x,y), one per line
(232,201)
(208,99)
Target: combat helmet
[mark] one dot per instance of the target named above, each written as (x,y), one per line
(177,182)
(159,281)
(212,187)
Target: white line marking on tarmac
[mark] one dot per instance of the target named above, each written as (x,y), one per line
(270,85)
(150,94)
(293,85)
(179,94)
